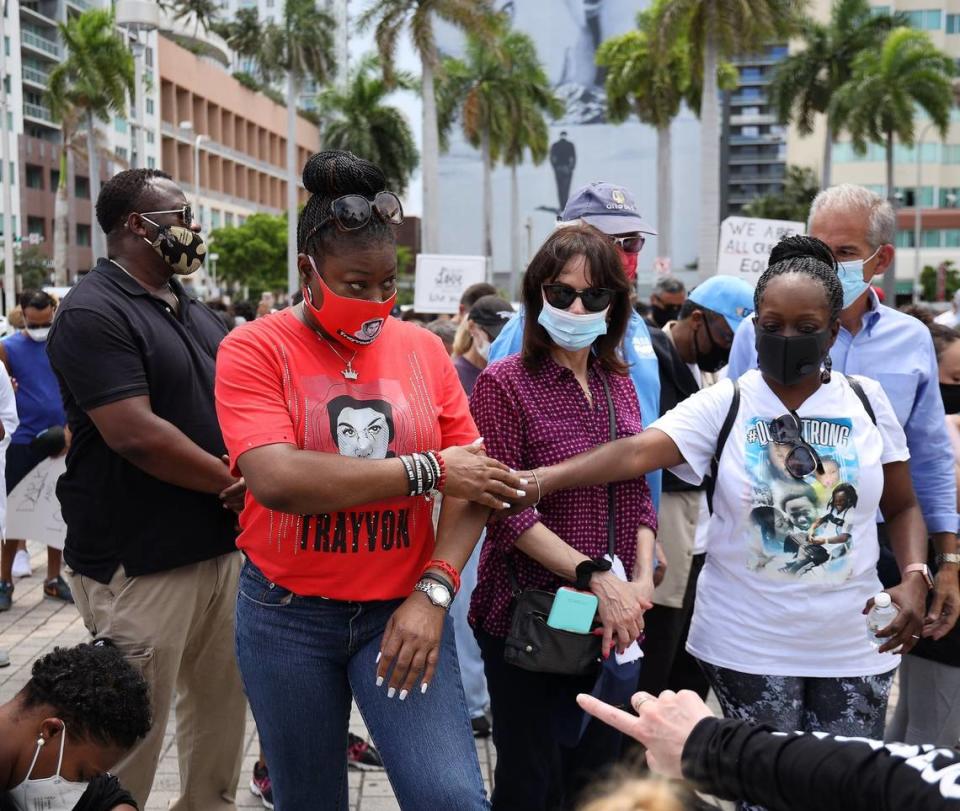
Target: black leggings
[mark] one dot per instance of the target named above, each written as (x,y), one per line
(854,706)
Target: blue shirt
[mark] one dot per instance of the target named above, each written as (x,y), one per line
(38,396)
(637,352)
(896,350)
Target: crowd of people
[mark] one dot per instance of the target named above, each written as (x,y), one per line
(560,522)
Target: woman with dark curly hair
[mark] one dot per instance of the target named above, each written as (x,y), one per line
(81,711)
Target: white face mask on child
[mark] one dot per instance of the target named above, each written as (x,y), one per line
(47,793)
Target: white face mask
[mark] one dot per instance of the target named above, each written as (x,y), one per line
(38,334)
(48,793)
(482,344)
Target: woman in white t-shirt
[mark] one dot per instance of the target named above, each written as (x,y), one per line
(791,564)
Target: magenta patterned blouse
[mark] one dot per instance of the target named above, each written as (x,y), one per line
(537,419)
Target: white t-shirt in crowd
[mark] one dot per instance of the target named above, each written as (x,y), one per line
(10,421)
(769,600)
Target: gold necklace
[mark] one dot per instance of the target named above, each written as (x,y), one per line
(349,372)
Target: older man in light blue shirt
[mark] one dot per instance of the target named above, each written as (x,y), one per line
(894,349)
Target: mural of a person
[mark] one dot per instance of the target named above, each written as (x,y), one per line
(563,159)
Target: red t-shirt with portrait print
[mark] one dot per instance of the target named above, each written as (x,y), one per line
(279,382)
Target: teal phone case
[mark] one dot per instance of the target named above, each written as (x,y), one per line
(573,611)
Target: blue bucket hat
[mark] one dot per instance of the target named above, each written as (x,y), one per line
(607,207)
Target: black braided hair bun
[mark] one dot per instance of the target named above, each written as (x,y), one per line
(331,174)
(798,247)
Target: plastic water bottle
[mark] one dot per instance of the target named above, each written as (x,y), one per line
(884,611)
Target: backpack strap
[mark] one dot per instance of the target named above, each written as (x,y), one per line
(858,390)
(721,441)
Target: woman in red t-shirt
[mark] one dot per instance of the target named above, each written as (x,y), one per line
(343,422)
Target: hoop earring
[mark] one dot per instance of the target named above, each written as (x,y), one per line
(827,366)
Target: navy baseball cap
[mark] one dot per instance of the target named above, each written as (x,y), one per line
(608,207)
(730,296)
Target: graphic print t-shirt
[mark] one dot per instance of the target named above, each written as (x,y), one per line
(790,563)
(278,382)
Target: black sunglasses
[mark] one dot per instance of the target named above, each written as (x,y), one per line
(630,244)
(353,211)
(186,214)
(561,296)
(803,459)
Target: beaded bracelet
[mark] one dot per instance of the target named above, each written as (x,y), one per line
(448,570)
(442,468)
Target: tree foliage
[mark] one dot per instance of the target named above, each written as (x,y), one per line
(793,203)
(254,254)
(357,118)
(928,281)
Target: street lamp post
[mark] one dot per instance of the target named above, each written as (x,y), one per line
(916,213)
(188,126)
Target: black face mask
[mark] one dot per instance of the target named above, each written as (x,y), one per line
(661,315)
(790,360)
(950,392)
(716,358)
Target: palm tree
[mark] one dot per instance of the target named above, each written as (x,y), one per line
(93,82)
(301,48)
(498,91)
(886,88)
(390,18)
(204,13)
(244,34)
(717,28)
(805,81)
(357,119)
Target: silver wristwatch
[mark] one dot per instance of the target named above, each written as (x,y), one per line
(948,557)
(439,594)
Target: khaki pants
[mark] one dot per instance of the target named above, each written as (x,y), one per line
(178,628)
(677,528)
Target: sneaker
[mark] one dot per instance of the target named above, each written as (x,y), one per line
(57,589)
(21,564)
(361,755)
(260,784)
(481,726)
(6,596)
(4,659)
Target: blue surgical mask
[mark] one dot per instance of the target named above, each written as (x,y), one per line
(572,331)
(851,277)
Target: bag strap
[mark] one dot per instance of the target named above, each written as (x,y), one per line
(858,390)
(721,441)
(611,494)
(611,497)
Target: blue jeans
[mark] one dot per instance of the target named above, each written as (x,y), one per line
(301,659)
(468,652)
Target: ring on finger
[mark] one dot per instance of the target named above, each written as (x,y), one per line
(638,702)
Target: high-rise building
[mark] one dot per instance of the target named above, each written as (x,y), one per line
(754,143)
(33,48)
(927,174)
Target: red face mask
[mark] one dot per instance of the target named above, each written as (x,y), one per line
(354,322)
(629,263)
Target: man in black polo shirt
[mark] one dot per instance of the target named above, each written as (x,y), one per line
(147,497)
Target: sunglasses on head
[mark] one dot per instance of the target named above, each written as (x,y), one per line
(803,458)
(186,214)
(561,296)
(353,211)
(632,244)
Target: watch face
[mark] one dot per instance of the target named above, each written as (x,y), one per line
(439,594)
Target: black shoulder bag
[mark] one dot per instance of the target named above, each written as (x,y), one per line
(534,645)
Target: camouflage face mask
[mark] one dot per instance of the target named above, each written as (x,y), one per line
(182,249)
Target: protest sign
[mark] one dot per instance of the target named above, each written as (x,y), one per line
(746,243)
(441,279)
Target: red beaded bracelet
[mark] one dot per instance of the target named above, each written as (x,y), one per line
(442,481)
(448,570)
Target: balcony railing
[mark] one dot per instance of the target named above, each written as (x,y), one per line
(37,111)
(41,43)
(31,74)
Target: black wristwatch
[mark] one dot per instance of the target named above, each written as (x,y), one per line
(586,569)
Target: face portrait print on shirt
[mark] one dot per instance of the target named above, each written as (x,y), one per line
(802,528)
(362,428)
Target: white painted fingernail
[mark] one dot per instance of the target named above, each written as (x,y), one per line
(521,493)
(477,441)
(403,694)
(391,692)
(524,482)
(506,506)
(378,657)
(379,681)
(423,688)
